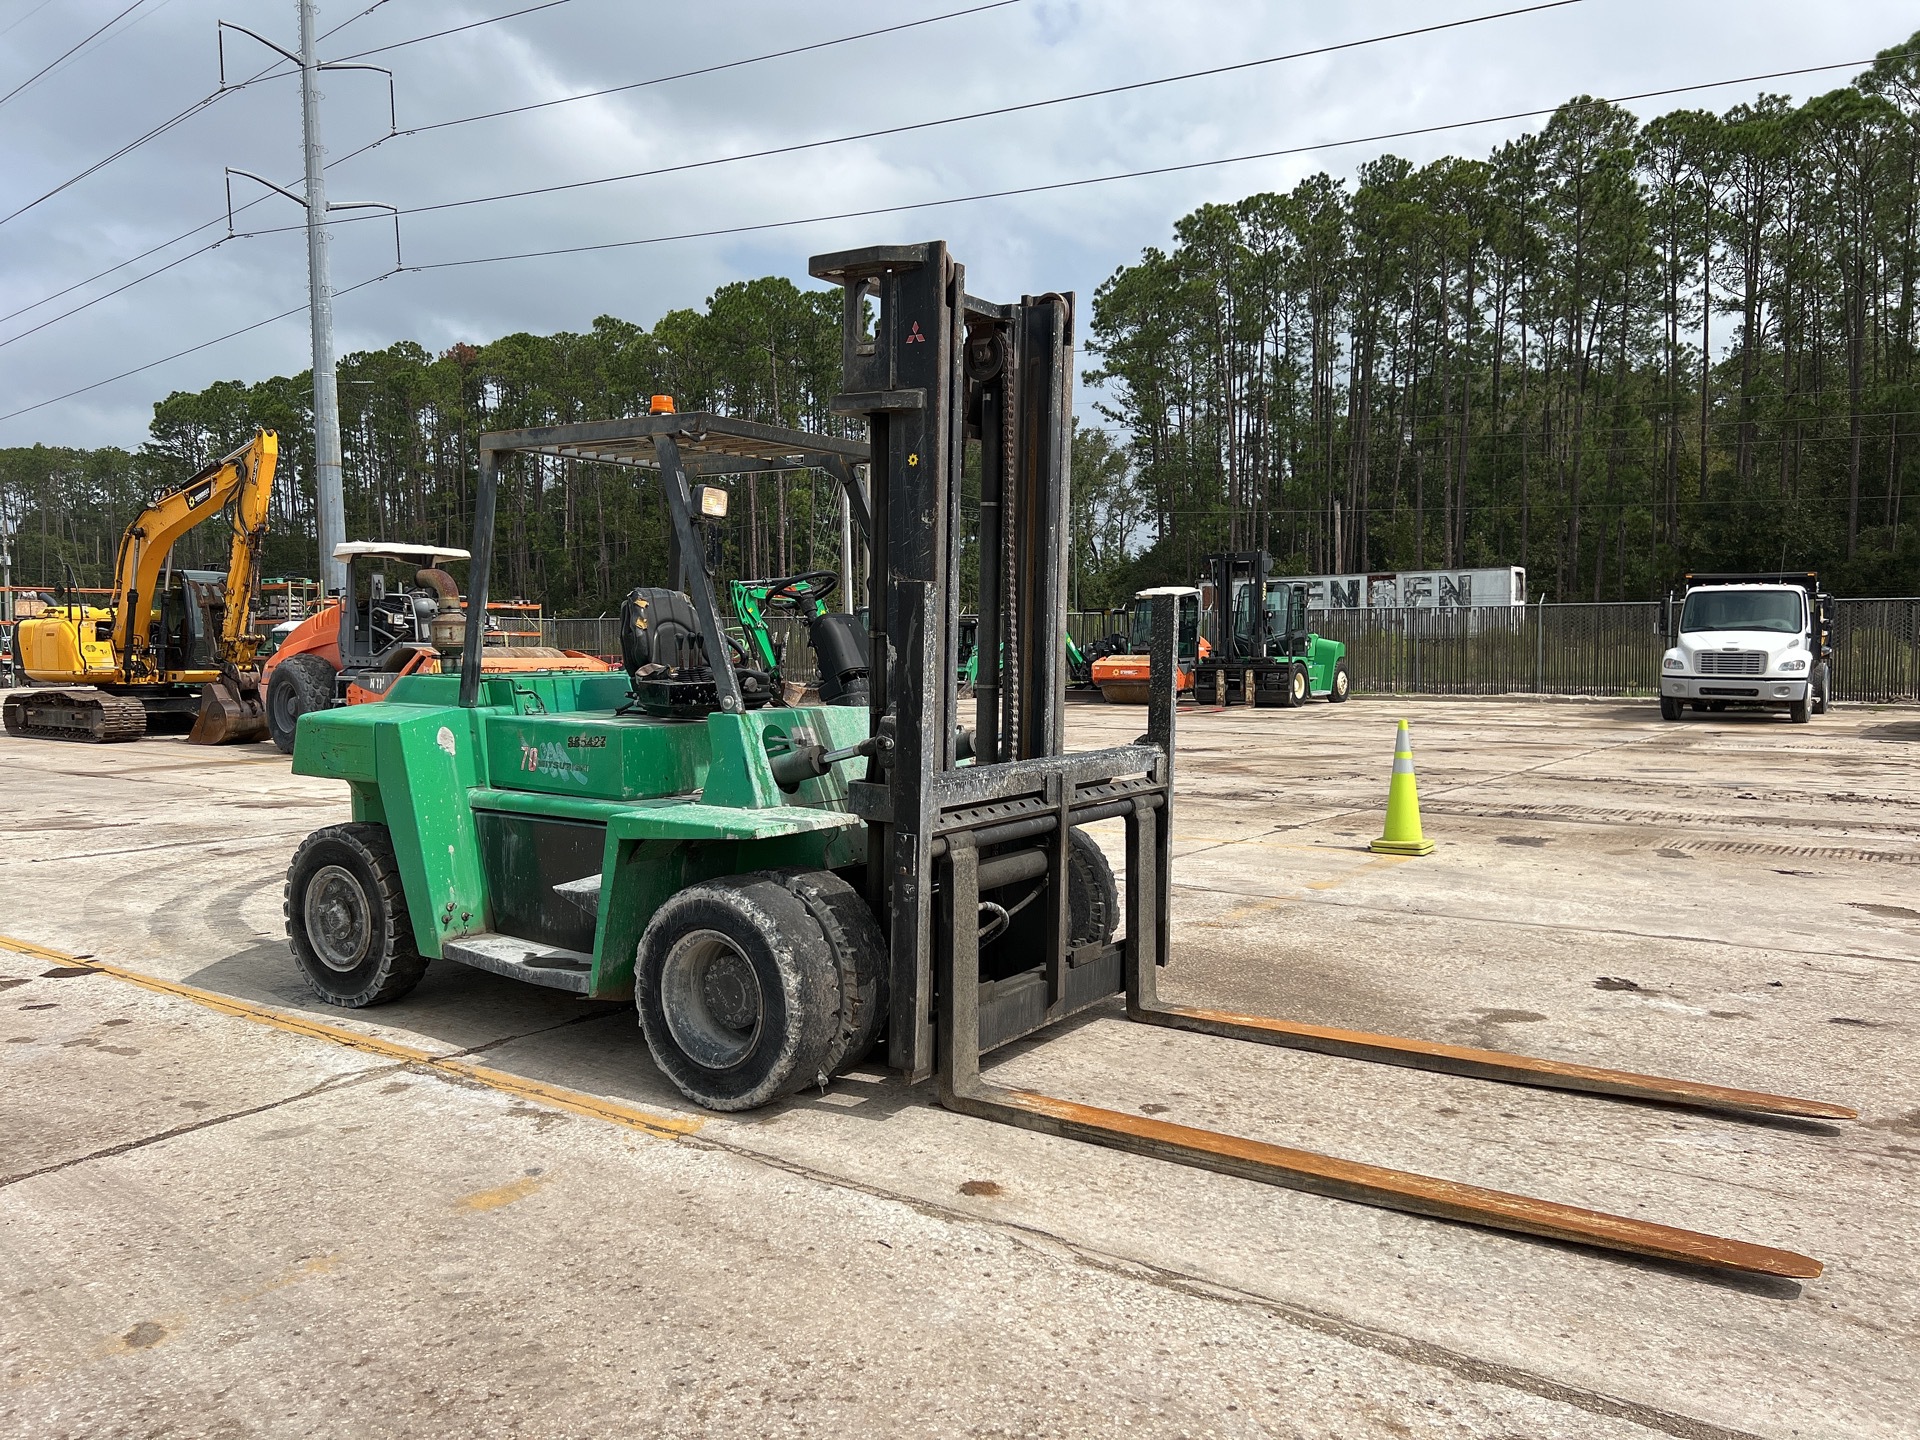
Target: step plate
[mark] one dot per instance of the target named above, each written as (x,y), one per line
(531,960)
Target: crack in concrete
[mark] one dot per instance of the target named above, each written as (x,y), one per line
(128,1146)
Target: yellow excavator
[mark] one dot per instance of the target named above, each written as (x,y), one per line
(169,643)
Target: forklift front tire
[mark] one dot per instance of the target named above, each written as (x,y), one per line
(1093,899)
(347,917)
(738,992)
(1342,683)
(860,955)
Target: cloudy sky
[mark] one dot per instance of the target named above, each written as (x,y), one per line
(158,60)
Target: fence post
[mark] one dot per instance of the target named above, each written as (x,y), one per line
(1540,645)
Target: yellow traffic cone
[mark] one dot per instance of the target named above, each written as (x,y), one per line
(1403,835)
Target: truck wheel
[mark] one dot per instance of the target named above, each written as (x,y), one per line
(1093,900)
(1822,689)
(860,954)
(301,684)
(1299,685)
(1342,683)
(1670,708)
(738,992)
(347,917)
(1801,711)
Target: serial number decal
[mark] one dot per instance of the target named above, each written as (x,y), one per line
(586,742)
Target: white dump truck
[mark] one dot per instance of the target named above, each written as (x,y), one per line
(1748,641)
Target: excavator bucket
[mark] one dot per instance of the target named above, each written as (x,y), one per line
(231,711)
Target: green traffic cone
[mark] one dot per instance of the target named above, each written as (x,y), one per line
(1403,835)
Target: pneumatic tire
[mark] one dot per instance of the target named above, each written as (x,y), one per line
(300,685)
(1670,708)
(860,957)
(347,917)
(738,992)
(1342,684)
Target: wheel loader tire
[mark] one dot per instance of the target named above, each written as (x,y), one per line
(738,992)
(860,954)
(1093,900)
(347,917)
(1342,683)
(301,684)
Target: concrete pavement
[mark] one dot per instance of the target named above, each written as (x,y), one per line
(210,1224)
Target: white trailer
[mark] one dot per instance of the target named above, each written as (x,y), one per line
(1415,589)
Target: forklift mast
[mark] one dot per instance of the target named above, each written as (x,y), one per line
(939,367)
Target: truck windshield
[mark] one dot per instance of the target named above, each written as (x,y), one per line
(1779,610)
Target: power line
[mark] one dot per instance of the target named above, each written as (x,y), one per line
(998,110)
(109,294)
(1089,180)
(658,80)
(690,74)
(908,207)
(273,71)
(455,30)
(299,309)
(65,53)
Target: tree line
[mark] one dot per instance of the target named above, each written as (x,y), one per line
(1609,352)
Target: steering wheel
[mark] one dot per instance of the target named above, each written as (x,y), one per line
(737,650)
(820,584)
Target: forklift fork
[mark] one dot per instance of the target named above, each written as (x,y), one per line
(1144,949)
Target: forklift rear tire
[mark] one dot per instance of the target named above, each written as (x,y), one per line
(860,954)
(301,684)
(347,917)
(738,992)
(1342,683)
(1299,685)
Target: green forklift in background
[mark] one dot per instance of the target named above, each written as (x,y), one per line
(781,891)
(1263,653)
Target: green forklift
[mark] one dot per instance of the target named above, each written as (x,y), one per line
(1263,653)
(783,892)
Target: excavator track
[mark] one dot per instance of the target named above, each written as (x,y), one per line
(91,717)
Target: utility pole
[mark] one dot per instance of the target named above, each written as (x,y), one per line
(328,482)
(330,500)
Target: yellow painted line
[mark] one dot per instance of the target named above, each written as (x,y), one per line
(556,1097)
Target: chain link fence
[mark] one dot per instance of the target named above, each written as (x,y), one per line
(1537,650)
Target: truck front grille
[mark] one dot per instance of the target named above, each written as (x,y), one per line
(1732,662)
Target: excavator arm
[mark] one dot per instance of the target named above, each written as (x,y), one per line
(237,644)
(248,473)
